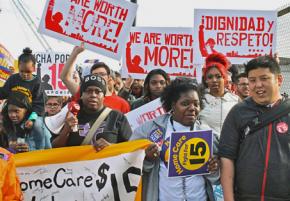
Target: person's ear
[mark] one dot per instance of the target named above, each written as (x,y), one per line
(172,107)
(280,79)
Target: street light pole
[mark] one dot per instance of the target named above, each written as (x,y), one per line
(134,22)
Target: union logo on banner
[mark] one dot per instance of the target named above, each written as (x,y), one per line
(189,153)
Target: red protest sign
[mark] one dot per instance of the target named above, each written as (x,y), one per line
(103,25)
(170,49)
(240,35)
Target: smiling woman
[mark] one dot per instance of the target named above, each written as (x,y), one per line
(182,100)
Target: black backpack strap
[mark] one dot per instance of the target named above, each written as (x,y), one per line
(265,118)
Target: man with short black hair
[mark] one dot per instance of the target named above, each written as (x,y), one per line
(99,68)
(242,86)
(255,155)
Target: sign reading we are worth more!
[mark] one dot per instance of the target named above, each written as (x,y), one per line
(189,153)
(103,25)
(112,174)
(239,34)
(170,49)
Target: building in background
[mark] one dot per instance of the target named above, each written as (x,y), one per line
(283,45)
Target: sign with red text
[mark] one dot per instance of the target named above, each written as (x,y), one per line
(240,35)
(170,49)
(145,113)
(103,25)
(111,174)
(189,153)
(49,67)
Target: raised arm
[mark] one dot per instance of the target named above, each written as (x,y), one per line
(67,72)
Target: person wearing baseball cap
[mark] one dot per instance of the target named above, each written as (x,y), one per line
(97,124)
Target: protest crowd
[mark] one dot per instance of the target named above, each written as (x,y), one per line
(247,154)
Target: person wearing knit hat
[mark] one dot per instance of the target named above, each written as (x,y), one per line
(218,100)
(15,113)
(93,80)
(111,100)
(113,128)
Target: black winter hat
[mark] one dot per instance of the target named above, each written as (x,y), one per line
(93,80)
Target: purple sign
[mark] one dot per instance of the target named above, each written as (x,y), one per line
(189,153)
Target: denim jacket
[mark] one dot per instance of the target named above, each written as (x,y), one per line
(37,138)
(150,177)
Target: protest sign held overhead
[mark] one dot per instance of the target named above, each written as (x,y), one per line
(170,49)
(145,113)
(83,175)
(189,153)
(103,25)
(240,35)
(49,67)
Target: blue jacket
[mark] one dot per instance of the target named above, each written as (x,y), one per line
(38,137)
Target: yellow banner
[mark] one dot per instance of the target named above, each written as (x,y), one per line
(114,172)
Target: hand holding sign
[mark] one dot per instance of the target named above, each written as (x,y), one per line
(101,144)
(152,152)
(71,121)
(213,164)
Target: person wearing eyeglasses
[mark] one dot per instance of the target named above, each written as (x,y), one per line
(217,100)
(101,69)
(53,105)
(113,126)
(242,86)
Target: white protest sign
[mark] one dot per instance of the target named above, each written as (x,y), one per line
(103,25)
(112,178)
(49,67)
(145,113)
(240,35)
(170,49)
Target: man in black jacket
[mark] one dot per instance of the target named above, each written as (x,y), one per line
(114,129)
(255,166)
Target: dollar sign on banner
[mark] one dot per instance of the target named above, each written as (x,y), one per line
(102,182)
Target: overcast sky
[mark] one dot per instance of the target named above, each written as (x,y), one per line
(15,33)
